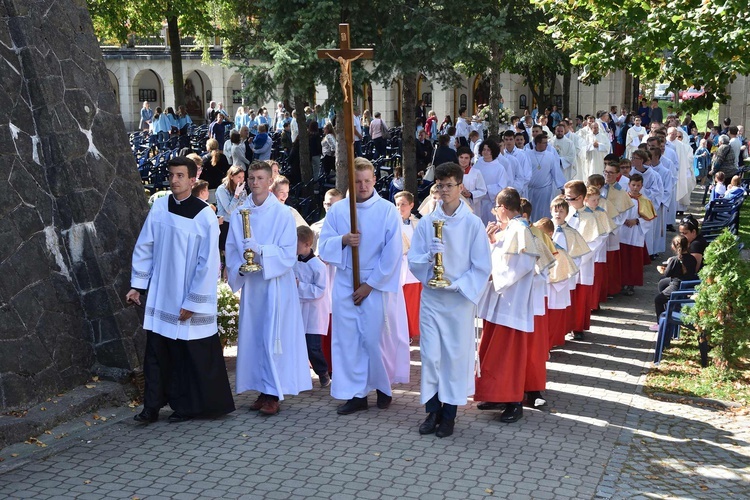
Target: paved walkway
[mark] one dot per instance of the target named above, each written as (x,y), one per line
(599,437)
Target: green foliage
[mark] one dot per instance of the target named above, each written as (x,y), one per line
(683,42)
(722,301)
(228,319)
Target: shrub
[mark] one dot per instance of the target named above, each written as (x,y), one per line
(228,314)
(722,301)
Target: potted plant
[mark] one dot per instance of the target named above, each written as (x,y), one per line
(228,314)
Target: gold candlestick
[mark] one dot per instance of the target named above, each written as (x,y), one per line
(438,281)
(250,266)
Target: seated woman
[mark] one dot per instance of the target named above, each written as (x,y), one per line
(682,266)
(697,244)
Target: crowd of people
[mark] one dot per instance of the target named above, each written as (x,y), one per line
(529,232)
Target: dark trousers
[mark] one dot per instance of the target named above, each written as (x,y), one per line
(447,411)
(328,163)
(380,145)
(357,149)
(190,375)
(666,287)
(315,354)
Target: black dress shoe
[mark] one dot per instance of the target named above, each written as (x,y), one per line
(445,428)
(512,413)
(176,418)
(577,335)
(147,416)
(488,405)
(384,400)
(351,406)
(430,423)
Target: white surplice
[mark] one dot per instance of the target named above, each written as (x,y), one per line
(271,348)
(312,285)
(446,323)
(566,148)
(496,179)
(474,183)
(177,259)
(506,299)
(357,346)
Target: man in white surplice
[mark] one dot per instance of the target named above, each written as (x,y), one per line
(567,151)
(359,316)
(271,349)
(598,146)
(447,340)
(176,258)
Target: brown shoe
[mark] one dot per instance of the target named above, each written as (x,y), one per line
(270,407)
(258,403)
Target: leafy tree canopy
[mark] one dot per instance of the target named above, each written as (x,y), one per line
(684,42)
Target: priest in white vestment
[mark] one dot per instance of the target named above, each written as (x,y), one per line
(359,316)
(271,348)
(567,151)
(546,178)
(523,170)
(447,340)
(597,148)
(634,137)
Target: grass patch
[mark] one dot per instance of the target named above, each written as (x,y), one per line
(680,373)
(745,225)
(699,117)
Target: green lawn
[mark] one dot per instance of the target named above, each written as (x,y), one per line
(680,373)
(700,118)
(745,225)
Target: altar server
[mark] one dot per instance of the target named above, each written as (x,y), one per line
(271,349)
(447,340)
(359,316)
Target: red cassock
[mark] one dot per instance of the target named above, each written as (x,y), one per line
(601,283)
(580,303)
(502,358)
(614,270)
(537,351)
(558,326)
(632,260)
(325,344)
(412,293)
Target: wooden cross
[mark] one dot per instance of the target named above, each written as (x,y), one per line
(344,55)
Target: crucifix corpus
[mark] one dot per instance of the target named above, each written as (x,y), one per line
(344,55)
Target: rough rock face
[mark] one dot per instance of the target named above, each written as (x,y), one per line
(71,207)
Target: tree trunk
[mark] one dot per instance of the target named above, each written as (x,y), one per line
(175,55)
(493,75)
(342,166)
(409,142)
(305,166)
(566,92)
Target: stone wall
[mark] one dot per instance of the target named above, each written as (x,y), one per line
(71,206)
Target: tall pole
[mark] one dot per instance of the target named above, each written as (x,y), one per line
(344,55)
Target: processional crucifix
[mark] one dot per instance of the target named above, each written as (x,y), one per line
(344,55)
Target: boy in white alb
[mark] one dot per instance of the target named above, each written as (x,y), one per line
(312,282)
(447,316)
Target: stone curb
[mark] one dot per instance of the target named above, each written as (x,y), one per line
(57,410)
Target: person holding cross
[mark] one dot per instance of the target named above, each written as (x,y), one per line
(359,310)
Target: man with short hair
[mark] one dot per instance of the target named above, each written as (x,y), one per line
(271,348)
(547,178)
(567,152)
(176,258)
(655,114)
(523,167)
(359,315)
(217,130)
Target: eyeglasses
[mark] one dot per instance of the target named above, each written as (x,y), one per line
(571,198)
(445,187)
